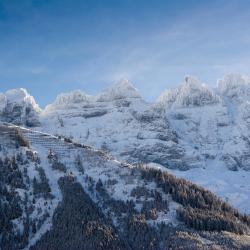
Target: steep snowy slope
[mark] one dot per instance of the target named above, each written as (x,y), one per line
(57,194)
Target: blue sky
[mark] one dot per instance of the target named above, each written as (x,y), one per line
(56,46)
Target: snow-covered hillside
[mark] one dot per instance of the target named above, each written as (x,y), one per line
(59,194)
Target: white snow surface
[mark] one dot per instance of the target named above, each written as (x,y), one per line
(72,98)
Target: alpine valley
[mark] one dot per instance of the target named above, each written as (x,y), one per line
(113,171)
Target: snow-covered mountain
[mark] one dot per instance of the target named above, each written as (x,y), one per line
(59,194)
(184,128)
(120,121)
(202,130)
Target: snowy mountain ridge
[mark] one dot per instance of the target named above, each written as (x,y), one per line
(118,91)
(231,85)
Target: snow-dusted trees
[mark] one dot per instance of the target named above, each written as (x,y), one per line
(57,165)
(201,219)
(41,187)
(10,204)
(10,174)
(201,208)
(139,234)
(79,222)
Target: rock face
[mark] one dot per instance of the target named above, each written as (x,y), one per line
(17,106)
(118,120)
(190,126)
(216,123)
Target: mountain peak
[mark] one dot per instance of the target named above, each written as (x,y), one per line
(191,84)
(18,96)
(192,81)
(76,96)
(123,82)
(68,99)
(234,85)
(191,93)
(232,79)
(120,90)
